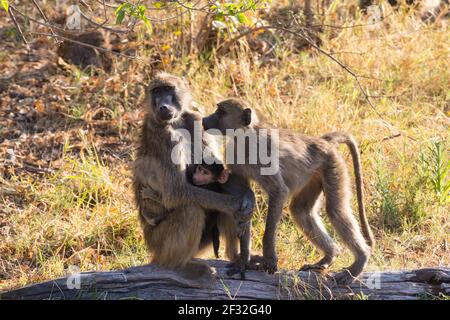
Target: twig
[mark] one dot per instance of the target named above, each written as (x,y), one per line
(103,26)
(36,169)
(18,28)
(173,17)
(44,16)
(391,137)
(104,10)
(331,26)
(89,45)
(48,25)
(107,4)
(355,76)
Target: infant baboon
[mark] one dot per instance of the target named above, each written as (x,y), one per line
(216,178)
(307,166)
(174,241)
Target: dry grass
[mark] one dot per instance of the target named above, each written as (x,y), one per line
(83,214)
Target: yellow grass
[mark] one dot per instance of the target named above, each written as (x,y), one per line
(84,214)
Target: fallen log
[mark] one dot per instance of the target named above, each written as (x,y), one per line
(153,282)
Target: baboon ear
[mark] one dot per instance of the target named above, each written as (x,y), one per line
(247,117)
(185,82)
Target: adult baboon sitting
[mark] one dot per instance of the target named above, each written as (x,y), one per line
(175,240)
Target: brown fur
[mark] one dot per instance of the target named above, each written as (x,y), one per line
(85,56)
(241,230)
(308,167)
(175,240)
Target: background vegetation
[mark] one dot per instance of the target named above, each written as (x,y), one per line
(68,133)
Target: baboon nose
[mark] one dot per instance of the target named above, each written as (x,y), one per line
(163,108)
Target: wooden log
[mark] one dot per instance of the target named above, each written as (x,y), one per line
(153,282)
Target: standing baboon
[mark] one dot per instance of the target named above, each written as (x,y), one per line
(307,166)
(174,241)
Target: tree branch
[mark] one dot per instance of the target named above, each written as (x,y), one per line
(13,18)
(152,282)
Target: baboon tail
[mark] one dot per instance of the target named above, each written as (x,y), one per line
(342,137)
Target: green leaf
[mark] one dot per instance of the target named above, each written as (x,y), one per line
(141,10)
(241,17)
(147,23)
(333,7)
(120,16)
(122,7)
(120,12)
(5,5)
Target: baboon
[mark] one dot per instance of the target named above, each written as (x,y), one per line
(213,176)
(307,166)
(85,56)
(176,240)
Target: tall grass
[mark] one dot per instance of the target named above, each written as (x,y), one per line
(84,213)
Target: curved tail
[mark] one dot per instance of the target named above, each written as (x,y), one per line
(343,137)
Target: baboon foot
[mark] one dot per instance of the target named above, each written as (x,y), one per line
(319,266)
(350,274)
(343,278)
(261,263)
(256,263)
(270,264)
(315,267)
(199,273)
(235,268)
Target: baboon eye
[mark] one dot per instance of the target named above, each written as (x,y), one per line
(161,89)
(221,112)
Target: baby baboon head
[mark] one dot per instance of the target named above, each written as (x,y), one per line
(230,114)
(167,96)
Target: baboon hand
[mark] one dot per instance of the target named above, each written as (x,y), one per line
(245,212)
(241,227)
(148,193)
(237,268)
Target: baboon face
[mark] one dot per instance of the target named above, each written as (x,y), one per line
(230,114)
(167,96)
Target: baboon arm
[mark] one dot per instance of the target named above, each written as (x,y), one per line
(187,194)
(170,187)
(236,186)
(244,214)
(150,193)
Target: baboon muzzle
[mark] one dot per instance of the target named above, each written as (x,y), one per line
(210,122)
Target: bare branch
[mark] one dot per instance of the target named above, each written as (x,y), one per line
(44,16)
(48,25)
(89,45)
(302,35)
(104,10)
(333,26)
(13,18)
(102,25)
(107,4)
